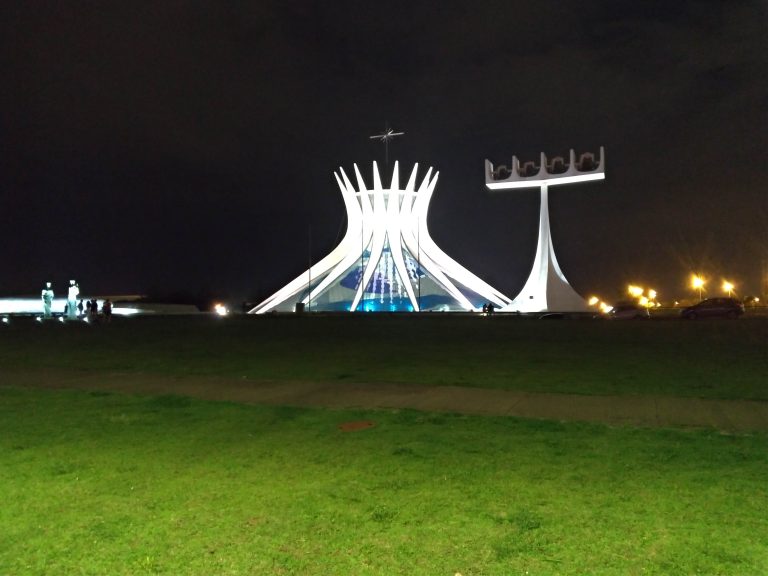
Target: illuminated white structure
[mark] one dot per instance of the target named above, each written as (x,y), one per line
(387,261)
(31,306)
(546,288)
(72,293)
(46,295)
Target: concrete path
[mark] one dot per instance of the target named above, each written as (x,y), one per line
(645,411)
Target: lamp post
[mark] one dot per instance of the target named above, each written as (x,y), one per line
(635,291)
(728,287)
(697,282)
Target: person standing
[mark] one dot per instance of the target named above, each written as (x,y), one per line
(106,310)
(47,297)
(72,294)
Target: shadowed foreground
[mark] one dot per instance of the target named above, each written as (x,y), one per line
(718,359)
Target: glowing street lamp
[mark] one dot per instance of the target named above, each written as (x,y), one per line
(652,294)
(697,282)
(728,287)
(593,300)
(635,291)
(605,308)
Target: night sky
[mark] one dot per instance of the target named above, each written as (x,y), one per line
(160,146)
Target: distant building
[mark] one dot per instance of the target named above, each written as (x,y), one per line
(764,283)
(387,260)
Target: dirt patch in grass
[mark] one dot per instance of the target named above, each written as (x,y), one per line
(639,410)
(356,425)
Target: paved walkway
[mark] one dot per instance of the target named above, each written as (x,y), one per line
(646,411)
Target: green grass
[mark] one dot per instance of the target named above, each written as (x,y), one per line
(93,483)
(715,359)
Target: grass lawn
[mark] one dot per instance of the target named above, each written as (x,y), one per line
(93,483)
(708,359)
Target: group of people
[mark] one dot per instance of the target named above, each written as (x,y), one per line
(91,309)
(488,308)
(74,309)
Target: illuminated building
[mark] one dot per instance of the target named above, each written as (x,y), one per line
(546,288)
(387,260)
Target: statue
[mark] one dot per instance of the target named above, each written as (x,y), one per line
(47,297)
(72,294)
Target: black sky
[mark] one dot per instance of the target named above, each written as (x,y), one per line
(167,145)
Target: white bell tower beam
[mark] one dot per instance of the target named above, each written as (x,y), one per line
(546,288)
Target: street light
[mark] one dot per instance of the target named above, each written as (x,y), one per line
(697,282)
(728,287)
(635,291)
(605,308)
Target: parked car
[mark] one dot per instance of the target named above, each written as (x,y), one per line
(628,311)
(552,316)
(714,308)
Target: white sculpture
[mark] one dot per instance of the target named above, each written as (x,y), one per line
(546,288)
(72,294)
(387,261)
(47,297)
